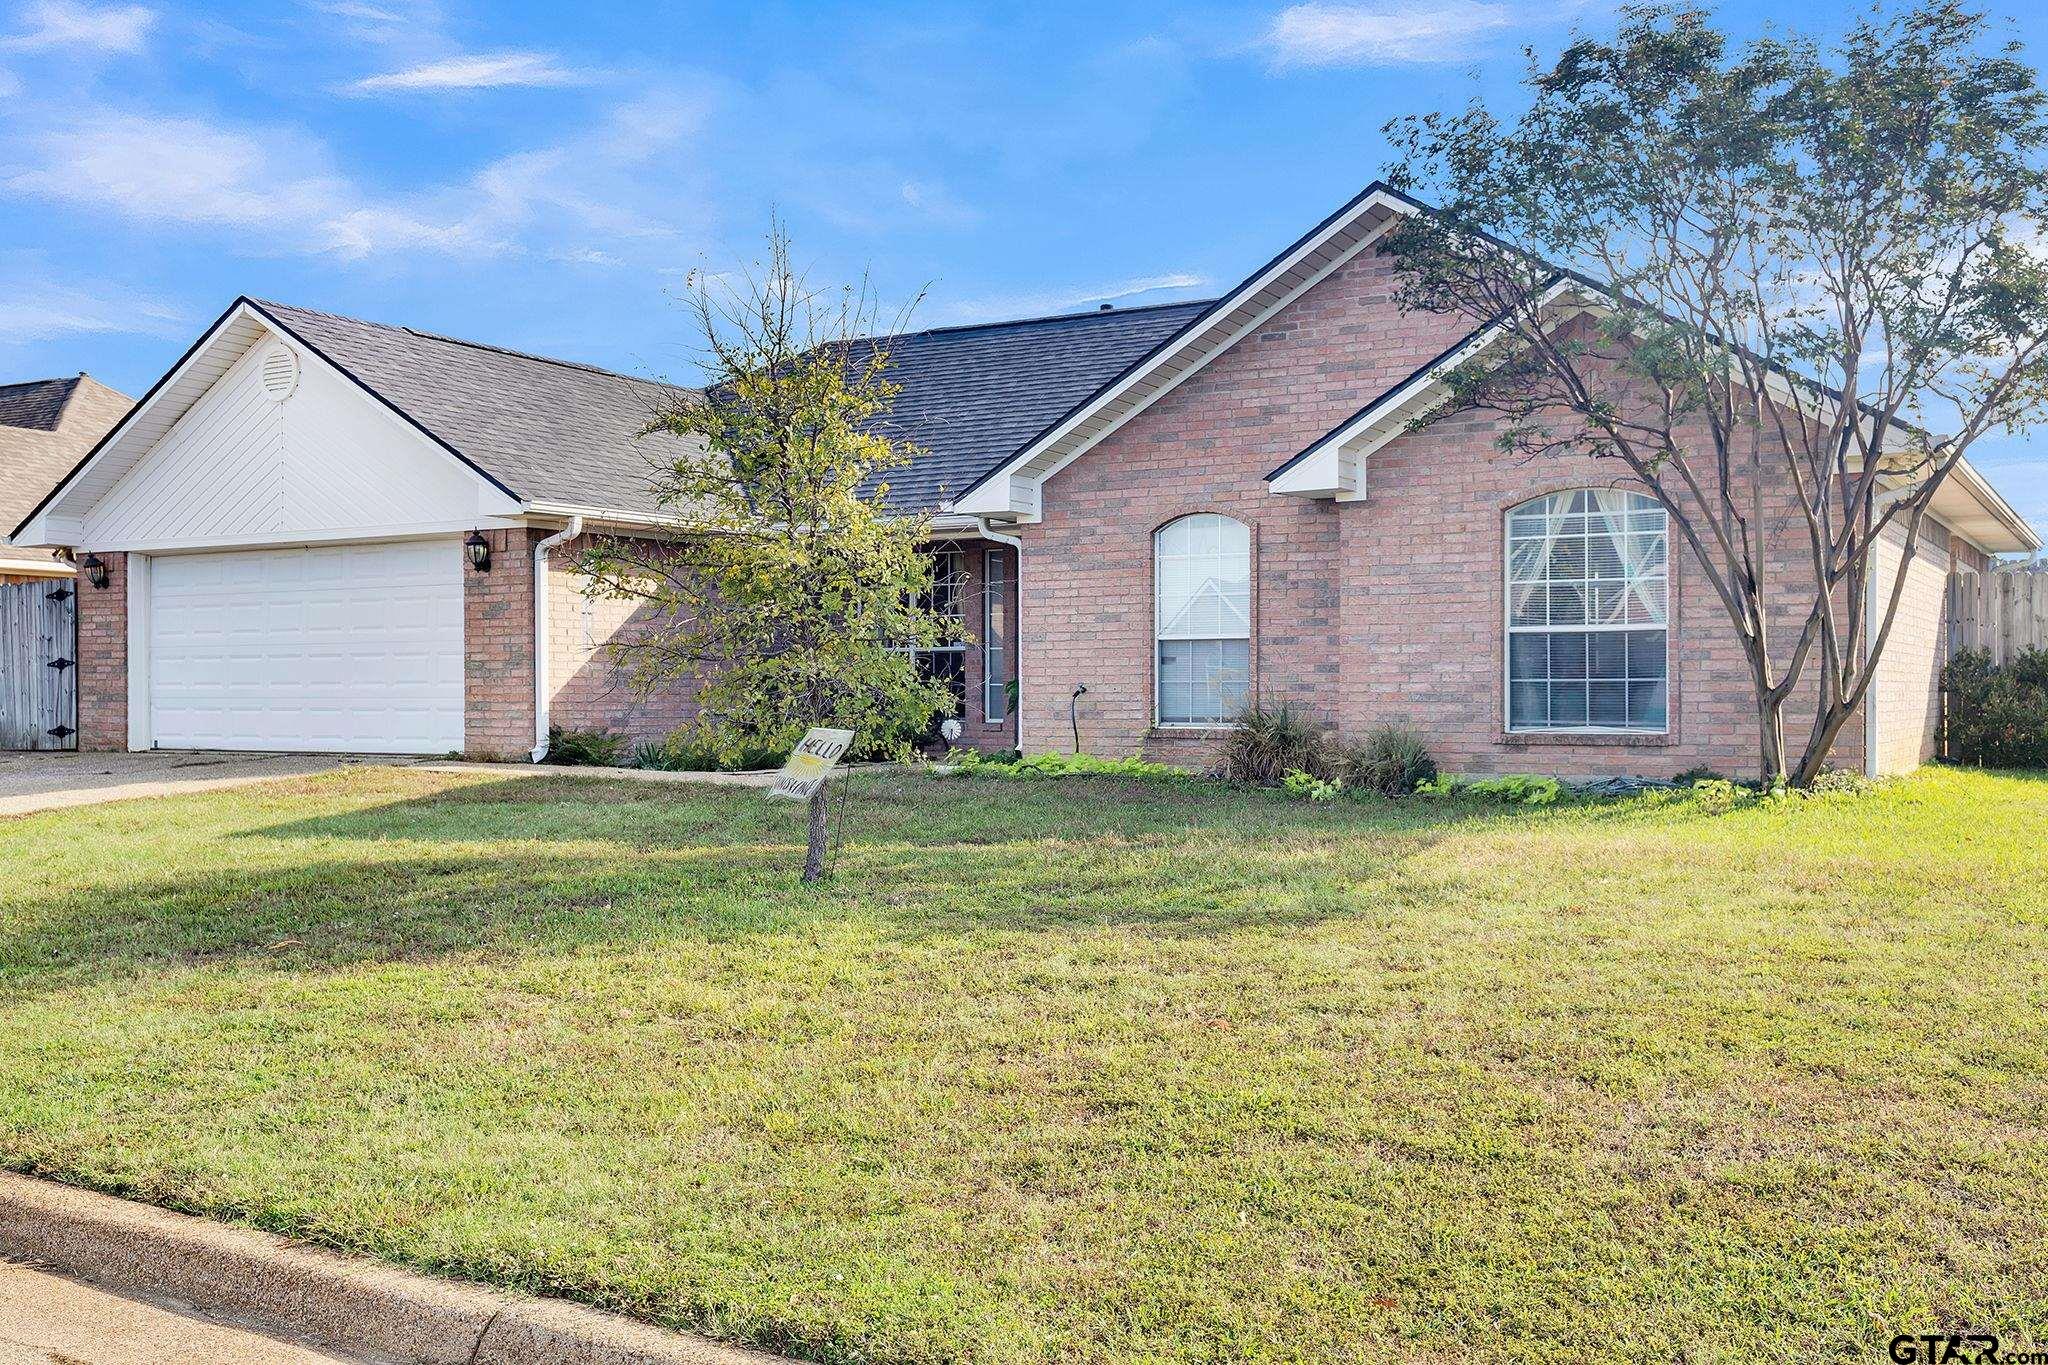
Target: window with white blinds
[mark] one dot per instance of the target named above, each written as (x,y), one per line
(1588,586)
(1202,588)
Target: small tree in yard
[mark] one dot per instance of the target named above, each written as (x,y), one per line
(790,595)
(1756,280)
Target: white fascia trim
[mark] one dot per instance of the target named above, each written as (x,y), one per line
(421,530)
(998,495)
(609,516)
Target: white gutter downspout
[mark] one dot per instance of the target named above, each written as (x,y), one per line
(1017,648)
(540,633)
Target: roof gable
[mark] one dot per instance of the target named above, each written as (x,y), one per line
(61,517)
(550,432)
(1011,489)
(284,448)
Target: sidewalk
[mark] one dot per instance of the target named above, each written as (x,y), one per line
(48,1319)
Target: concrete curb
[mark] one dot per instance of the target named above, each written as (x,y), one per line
(322,1297)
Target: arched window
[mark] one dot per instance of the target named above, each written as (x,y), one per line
(1202,618)
(1588,596)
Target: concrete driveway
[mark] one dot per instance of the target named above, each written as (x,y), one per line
(47,781)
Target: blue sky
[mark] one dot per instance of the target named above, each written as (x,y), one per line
(543,176)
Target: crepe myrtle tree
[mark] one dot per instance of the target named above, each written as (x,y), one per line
(790,594)
(1759,279)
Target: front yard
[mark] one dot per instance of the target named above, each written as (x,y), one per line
(1091,1071)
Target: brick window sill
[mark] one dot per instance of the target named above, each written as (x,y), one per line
(1584,739)
(1189,731)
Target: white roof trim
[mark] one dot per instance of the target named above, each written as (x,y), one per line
(1012,490)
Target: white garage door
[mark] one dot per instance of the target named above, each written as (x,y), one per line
(348,648)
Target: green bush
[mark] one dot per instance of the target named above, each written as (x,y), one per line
(699,751)
(1268,742)
(1308,787)
(1512,789)
(1038,766)
(1718,796)
(1841,781)
(1391,761)
(585,748)
(1518,789)
(1998,714)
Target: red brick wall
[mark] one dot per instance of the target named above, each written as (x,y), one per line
(497,634)
(1385,609)
(1207,446)
(1424,619)
(103,658)
(590,691)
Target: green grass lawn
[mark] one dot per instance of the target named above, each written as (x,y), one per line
(1092,1070)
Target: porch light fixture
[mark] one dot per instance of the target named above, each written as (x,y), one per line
(479,552)
(95,571)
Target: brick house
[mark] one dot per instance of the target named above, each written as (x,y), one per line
(329,534)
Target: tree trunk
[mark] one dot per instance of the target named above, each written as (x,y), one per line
(1771,721)
(814,856)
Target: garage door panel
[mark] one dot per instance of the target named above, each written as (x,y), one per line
(339,648)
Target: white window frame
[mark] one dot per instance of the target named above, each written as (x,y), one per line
(1251,551)
(1509,629)
(991,655)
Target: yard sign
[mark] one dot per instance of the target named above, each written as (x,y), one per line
(810,763)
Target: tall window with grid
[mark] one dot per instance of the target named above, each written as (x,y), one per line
(1588,590)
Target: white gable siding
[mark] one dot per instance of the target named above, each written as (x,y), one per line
(241,467)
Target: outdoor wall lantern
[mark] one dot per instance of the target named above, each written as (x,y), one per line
(95,571)
(479,552)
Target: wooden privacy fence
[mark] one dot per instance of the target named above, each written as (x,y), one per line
(39,664)
(2004,612)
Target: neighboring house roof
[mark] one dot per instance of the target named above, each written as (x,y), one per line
(972,395)
(46,426)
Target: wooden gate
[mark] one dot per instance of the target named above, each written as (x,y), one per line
(39,664)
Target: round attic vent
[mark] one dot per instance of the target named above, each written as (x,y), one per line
(280,373)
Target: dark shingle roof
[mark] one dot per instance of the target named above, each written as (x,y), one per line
(548,430)
(555,431)
(37,405)
(973,396)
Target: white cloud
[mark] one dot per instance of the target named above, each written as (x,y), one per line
(10,84)
(1065,300)
(276,185)
(280,192)
(937,202)
(61,25)
(34,307)
(475,71)
(1319,33)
